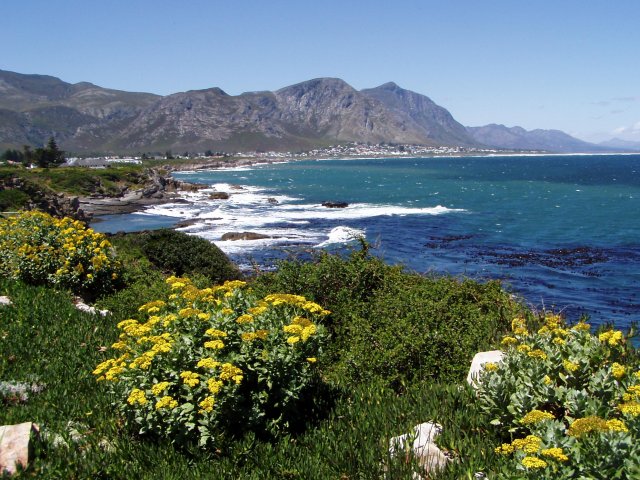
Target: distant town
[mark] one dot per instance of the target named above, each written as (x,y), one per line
(350,150)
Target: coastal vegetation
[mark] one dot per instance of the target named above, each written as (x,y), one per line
(306,372)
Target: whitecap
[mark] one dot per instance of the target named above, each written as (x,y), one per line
(342,234)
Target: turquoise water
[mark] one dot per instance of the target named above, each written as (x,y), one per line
(562,231)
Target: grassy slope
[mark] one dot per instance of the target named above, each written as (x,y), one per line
(43,339)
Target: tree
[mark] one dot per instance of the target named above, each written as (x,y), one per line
(49,156)
(55,154)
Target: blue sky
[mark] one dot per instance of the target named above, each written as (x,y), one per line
(564,64)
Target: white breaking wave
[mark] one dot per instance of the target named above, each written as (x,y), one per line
(342,235)
(285,222)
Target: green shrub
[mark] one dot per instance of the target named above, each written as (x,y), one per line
(203,363)
(571,399)
(180,254)
(39,249)
(393,325)
(11,199)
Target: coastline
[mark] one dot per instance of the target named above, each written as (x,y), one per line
(139,200)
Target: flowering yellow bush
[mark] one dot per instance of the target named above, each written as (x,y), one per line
(570,398)
(38,248)
(203,362)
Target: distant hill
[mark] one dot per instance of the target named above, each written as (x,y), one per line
(517,138)
(87,118)
(621,144)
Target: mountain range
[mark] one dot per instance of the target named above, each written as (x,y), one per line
(86,118)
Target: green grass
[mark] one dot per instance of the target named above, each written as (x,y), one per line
(79,180)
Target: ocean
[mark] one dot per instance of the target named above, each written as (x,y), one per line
(561,231)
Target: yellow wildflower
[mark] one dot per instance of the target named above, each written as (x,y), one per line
(537,354)
(159,387)
(137,396)
(491,366)
(618,370)
(616,425)
(208,362)
(504,449)
(536,416)
(508,341)
(530,444)
(630,408)
(244,319)
(214,344)
(555,453)
(230,372)
(262,334)
(167,402)
(248,336)
(570,366)
(215,333)
(312,359)
(519,326)
(533,463)
(214,385)
(582,426)
(293,340)
(581,327)
(190,378)
(524,348)
(612,337)
(547,380)
(295,329)
(120,345)
(308,331)
(207,404)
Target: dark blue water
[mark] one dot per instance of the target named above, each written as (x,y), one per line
(562,231)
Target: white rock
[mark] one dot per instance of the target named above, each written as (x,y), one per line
(422,435)
(83,307)
(420,444)
(16,446)
(494,356)
(4,300)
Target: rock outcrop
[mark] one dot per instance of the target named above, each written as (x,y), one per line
(243,236)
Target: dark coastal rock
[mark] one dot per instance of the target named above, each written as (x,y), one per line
(243,236)
(335,204)
(272,201)
(219,196)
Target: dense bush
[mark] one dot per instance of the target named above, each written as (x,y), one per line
(393,325)
(571,399)
(39,249)
(11,199)
(206,362)
(181,254)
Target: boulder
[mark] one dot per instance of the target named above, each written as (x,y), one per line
(219,196)
(16,446)
(243,236)
(4,300)
(272,201)
(419,444)
(335,204)
(477,364)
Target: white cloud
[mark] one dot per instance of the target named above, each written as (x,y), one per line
(631,132)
